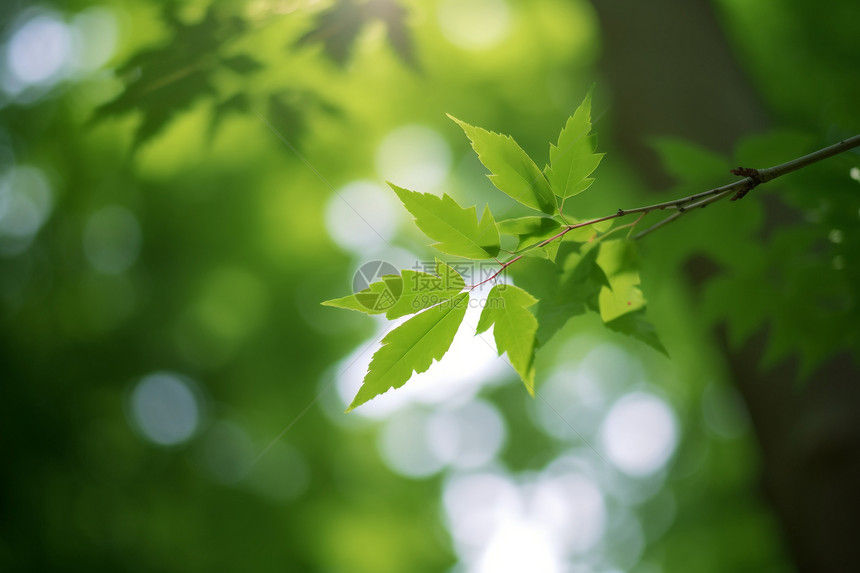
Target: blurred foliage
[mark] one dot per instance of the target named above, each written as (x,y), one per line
(165,81)
(802,277)
(338,28)
(165,212)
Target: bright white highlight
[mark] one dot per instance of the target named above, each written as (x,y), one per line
(519,546)
(499,525)
(164,409)
(474,24)
(475,504)
(414,157)
(583,391)
(112,239)
(361,216)
(37,52)
(45,50)
(639,434)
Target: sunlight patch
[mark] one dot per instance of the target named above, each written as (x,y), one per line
(361,216)
(639,434)
(414,157)
(474,24)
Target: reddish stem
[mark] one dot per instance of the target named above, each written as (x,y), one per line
(559,235)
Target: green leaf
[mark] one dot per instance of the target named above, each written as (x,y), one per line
(164,81)
(377,298)
(235,104)
(515,328)
(528,226)
(579,282)
(412,346)
(456,229)
(620,261)
(583,234)
(635,324)
(339,28)
(406,294)
(621,302)
(573,159)
(623,297)
(531,231)
(512,171)
(242,64)
(284,115)
(394,15)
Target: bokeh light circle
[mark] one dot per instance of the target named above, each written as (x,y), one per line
(474,24)
(38,50)
(165,409)
(404,447)
(639,434)
(414,157)
(361,216)
(467,437)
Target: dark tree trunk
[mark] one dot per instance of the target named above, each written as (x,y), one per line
(672,72)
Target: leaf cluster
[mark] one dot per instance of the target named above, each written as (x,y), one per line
(338,28)
(167,79)
(561,272)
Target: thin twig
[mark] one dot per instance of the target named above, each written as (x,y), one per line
(772,173)
(699,205)
(752,178)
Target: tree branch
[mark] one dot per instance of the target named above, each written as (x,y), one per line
(752,178)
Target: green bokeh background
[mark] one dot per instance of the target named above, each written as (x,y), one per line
(230,251)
